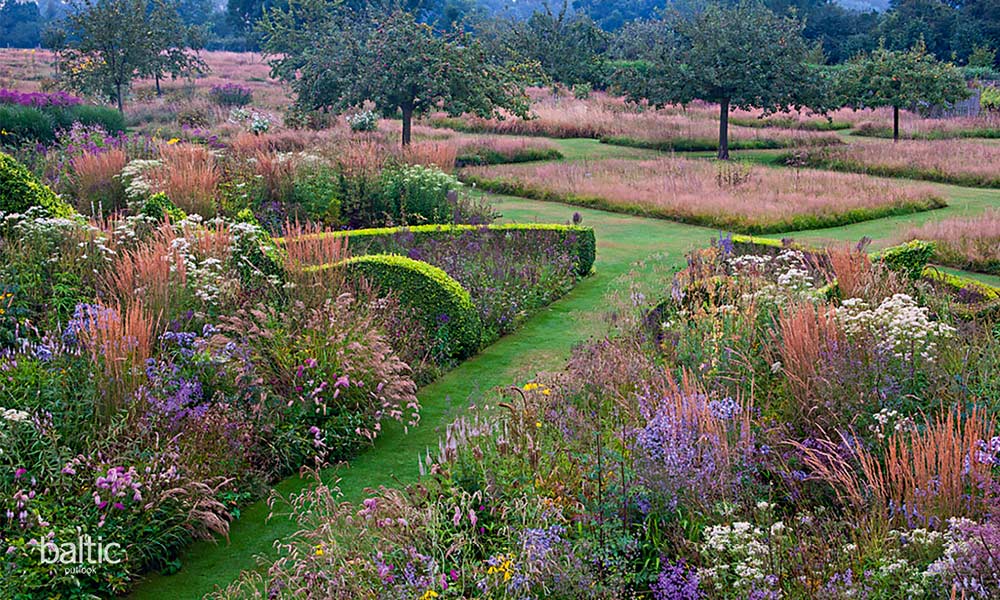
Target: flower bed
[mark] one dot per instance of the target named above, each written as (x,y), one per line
(761,448)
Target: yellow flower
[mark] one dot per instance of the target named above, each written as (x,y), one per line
(538,424)
(546,392)
(173,141)
(531,387)
(319,551)
(429,594)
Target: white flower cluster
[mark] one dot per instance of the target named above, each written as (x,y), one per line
(13,415)
(903,328)
(365,120)
(137,185)
(738,552)
(888,420)
(793,280)
(255,121)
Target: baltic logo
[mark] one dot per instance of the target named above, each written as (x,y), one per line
(83,554)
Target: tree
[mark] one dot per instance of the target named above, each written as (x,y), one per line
(900,79)
(742,56)
(108,44)
(20,24)
(338,58)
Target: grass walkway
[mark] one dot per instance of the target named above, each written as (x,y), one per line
(543,343)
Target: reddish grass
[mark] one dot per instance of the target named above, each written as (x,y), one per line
(189,176)
(96,187)
(807,332)
(852,268)
(927,472)
(306,246)
(738,196)
(120,338)
(604,116)
(971,243)
(950,161)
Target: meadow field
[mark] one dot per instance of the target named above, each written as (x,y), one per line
(272,353)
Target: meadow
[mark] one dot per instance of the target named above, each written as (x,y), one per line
(961,162)
(610,119)
(274,354)
(736,197)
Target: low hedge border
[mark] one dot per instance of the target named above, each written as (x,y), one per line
(846,165)
(442,304)
(584,240)
(712,144)
(485,157)
(737,224)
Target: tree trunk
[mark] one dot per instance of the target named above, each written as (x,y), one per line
(407,125)
(158,92)
(724,129)
(895,123)
(118,94)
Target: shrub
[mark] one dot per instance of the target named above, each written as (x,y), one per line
(365,120)
(375,241)
(22,124)
(108,119)
(417,194)
(20,190)
(909,258)
(315,189)
(159,207)
(230,94)
(441,303)
(990,98)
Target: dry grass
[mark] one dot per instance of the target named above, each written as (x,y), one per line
(913,126)
(740,197)
(120,339)
(305,246)
(971,243)
(807,332)
(853,269)
(927,474)
(189,176)
(152,274)
(609,117)
(948,161)
(97,189)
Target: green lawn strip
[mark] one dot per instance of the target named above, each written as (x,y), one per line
(542,343)
(577,149)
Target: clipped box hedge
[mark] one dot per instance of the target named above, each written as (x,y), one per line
(442,304)
(372,241)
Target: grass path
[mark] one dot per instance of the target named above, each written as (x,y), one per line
(543,343)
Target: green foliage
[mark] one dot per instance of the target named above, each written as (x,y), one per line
(442,305)
(315,189)
(989,98)
(365,120)
(256,258)
(20,190)
(483,155)
(108,44)
(743,57)
(909,258)
(23,124)
(899,79)
(417,194)
(407,68)
(159,207)
(367,241)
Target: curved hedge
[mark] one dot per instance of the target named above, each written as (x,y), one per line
(367,241)
(20,190)
(442,304)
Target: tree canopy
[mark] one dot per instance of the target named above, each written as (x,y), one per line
(742,56)
(335,57)
(899,79)
(105,45)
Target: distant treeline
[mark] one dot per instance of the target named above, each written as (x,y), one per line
(964,31)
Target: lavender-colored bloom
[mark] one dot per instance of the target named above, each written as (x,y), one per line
(676,582)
